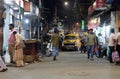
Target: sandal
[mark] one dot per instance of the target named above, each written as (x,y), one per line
(3,70)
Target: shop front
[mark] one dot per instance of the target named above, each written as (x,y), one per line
(24,20)
(12,16)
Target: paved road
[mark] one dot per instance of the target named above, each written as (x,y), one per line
(70,65)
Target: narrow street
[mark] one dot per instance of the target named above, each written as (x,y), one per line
(70,65)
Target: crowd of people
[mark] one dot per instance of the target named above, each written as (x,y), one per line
(114,44)
(92,44)
(15,49)
(16,45)
(102,48)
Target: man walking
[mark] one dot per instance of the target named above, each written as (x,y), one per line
(11,41)
(55,43)
(112,44)
(91,41)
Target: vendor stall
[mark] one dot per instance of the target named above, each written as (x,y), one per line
(30,51)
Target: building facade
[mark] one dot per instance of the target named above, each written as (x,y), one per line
(23,14)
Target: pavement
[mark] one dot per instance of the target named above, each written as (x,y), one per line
(69,65)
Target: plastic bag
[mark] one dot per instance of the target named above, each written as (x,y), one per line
(115,56)
(7,57)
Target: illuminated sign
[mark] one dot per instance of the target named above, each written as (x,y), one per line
(26,6)
(99,3)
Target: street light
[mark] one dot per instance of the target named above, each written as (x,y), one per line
(77,12)
(26,21)
(77,23)
(66,3)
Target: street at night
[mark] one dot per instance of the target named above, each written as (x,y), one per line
(70,65)
(59,39)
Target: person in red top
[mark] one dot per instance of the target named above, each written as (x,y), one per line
(11,41)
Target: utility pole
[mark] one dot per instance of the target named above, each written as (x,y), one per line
(55,9)
(39,16)
(75,4)
(76,9)
(19,22)
(55,19)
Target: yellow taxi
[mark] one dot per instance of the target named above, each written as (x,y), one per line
(71,41)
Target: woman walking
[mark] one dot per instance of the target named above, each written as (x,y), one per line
(18,54)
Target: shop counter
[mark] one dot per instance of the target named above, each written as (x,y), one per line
(29,51)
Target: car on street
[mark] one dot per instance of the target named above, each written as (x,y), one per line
(71,42)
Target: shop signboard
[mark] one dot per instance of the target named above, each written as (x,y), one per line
(99,3)
(94,23)
(26,6)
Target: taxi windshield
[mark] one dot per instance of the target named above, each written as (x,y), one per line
(70,37)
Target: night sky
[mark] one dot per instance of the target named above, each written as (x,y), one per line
(49,9)
(62,10)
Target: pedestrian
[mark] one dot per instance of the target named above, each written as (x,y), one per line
(60,41)
(83,43)
(100,43)
(118,42)
(112,44)
(11,42)
(2,64)
(91,42)
(55,43)
(18,54)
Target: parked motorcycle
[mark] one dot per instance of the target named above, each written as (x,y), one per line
(49,49)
